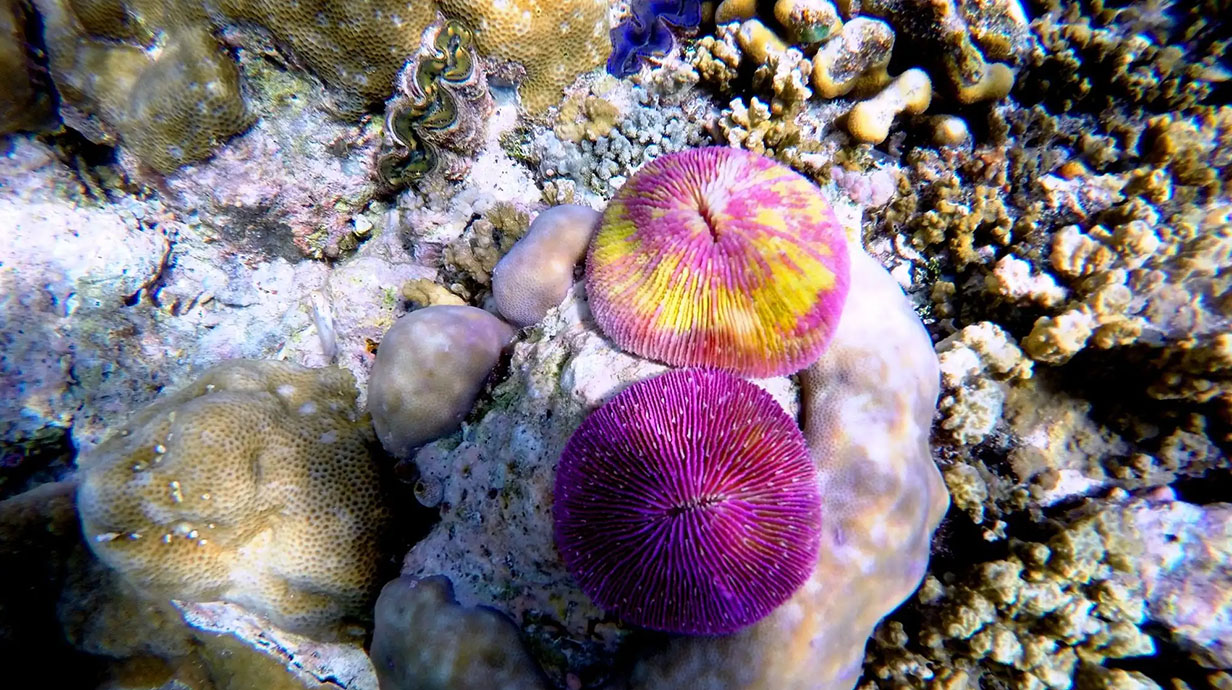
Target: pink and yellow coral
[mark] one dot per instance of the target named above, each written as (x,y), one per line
(719,257)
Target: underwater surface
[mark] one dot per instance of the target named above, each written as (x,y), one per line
(645,345)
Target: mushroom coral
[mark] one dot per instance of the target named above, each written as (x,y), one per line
(719,257)
(688,503)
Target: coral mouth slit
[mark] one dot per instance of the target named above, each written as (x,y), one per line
(688,503)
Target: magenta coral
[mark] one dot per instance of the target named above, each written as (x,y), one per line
(688,503)
(719,257)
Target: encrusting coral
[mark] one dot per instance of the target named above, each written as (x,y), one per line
(429,368)
(719,257)
(252,485)
(705,540)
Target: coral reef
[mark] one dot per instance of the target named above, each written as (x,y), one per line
(1053,610)
(536,274)
(430,367)
(741,264)
(882,497)
(705,540)
(253,485)
(175,105)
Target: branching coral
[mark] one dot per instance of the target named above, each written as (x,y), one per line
(1055,610)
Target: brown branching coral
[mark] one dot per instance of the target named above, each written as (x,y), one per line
(1161,55)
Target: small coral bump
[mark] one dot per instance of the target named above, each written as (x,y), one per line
(995,84)
(688,503)
(719,257)
(735,11)
(536,274)
(855,59)
(911,93)
(759,42)
(808,21)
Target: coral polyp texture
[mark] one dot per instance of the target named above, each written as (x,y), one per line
(252,485)
(553,40)
(719,257)
(688,503)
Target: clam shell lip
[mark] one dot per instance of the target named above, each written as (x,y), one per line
(719,257)
(688,503)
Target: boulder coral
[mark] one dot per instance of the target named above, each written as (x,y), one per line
(688,503)
(424,640)
(719,257)
(252,485)
(868,405)
(429,368)
(537,273)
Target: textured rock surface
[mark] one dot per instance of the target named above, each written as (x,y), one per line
(102,304)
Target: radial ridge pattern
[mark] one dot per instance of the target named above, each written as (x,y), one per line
(688,503)
(719,257)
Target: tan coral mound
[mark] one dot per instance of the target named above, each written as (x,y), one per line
(253,485)
(554,40)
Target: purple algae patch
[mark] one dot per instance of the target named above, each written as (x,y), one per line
(688,503)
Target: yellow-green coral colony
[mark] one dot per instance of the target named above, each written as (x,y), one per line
(967,46)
